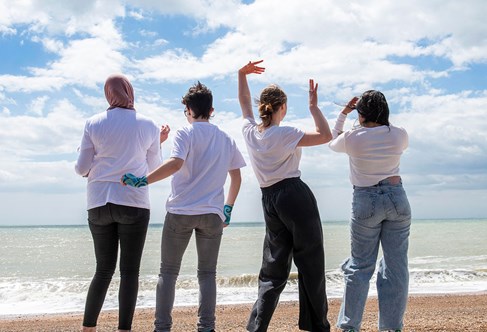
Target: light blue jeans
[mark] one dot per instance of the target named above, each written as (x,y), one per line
(176,234)
(380,215)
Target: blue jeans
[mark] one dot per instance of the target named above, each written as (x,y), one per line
(176,234)
(113,226)
(380,215)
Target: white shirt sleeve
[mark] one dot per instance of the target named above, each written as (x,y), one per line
(86,154)
(85,159)
(338,142)
(154,157)
(338,129)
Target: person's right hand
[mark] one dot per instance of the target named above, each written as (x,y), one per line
(350,105)
(164,133)
(251,68)
(129,179)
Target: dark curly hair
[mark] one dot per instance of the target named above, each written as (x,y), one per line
(200,100)
(372,106)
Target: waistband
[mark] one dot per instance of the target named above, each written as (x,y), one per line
(390,181)
(279,185)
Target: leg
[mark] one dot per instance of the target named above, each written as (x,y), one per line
(132,230)
(276,264)
(105,240)
(365,229)
(176,234)
(208,238)
(393,274)
(299,211)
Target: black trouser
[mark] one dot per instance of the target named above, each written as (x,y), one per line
(110,225)
(293,230)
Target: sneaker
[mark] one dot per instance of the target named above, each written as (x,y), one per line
(348,330)
(390,331)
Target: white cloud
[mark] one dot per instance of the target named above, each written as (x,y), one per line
(347,47)
(37,105)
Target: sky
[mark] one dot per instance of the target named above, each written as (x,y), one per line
(429,58)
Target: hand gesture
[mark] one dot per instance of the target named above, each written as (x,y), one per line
(251,68)
(164,133)
(313,93)
(351,105)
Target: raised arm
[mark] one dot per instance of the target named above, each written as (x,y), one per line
(322,133)
(244,96)
(340,122)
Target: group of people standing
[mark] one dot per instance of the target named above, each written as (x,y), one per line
(121,145)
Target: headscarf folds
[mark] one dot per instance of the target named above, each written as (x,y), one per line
(119,92)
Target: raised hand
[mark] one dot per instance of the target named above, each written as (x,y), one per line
(351,105)
(252,68)
(313,93)
(164,133)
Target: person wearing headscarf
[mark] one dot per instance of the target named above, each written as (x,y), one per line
(114,142)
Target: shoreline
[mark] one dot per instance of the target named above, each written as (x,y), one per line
(425,312)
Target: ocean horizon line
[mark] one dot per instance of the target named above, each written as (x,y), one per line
(235,223)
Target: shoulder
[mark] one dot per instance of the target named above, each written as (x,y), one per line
(289,130)
(144,119)
(399,130)
(249,122)
(96,120)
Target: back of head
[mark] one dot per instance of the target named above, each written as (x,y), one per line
(200,100)
(271,99)
(119,92)
(372,106)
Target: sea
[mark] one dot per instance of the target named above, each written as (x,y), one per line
(48,269)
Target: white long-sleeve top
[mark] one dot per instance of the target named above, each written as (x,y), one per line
(116,142)
(374,153)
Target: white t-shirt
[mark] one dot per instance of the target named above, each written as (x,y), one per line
(274,154)
(374,153)
(208,154)
(116,142)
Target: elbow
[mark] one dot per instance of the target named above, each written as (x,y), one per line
(325,137)
(328,137)
(81,171)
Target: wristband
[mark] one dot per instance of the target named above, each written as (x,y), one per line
(227,211)
(131,180)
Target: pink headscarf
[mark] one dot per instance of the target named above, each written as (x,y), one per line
(119,92)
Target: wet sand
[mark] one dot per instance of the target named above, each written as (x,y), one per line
(466,312)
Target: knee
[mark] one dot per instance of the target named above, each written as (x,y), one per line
(357,271)
(202,274)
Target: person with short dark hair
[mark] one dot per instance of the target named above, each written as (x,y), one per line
(201,157)
(381,214)
(293,223)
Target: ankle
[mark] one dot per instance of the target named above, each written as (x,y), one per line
(89,329)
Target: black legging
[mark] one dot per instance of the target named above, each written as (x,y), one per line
(110,225)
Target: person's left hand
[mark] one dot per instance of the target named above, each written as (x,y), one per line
(227,211)
(164,133)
